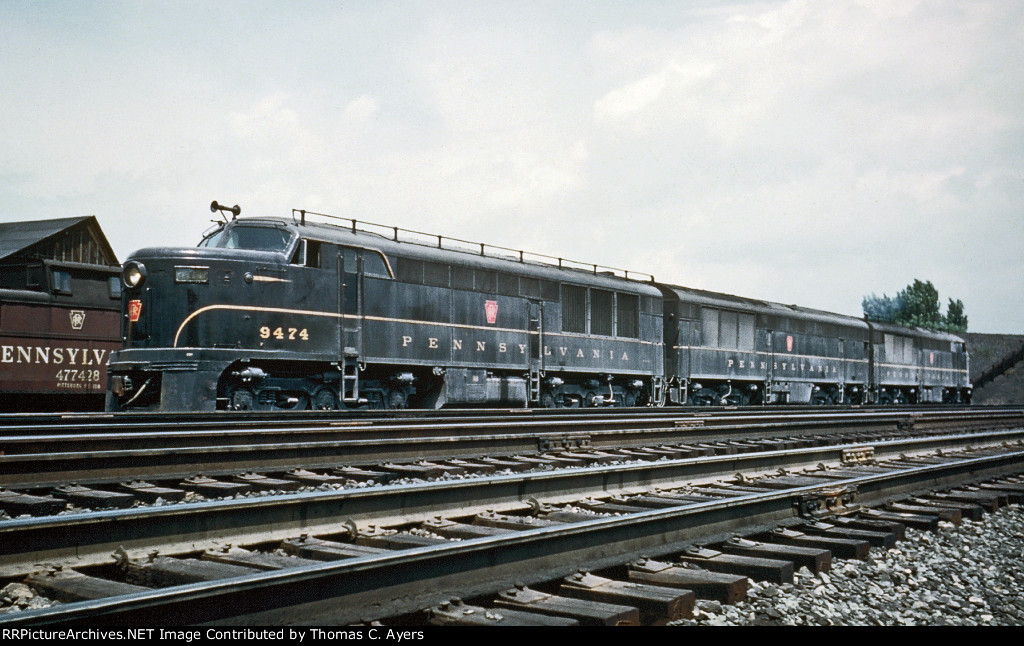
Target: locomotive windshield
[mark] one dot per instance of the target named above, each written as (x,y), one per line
(249,237)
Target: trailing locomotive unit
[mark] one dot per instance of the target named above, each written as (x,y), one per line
(911,365)
(60,302)
(726,349)
(723,349)
(271,314)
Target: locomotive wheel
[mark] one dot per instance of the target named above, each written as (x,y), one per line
(629,400)
(395,400)
(325,399)
(547,400)
(242,399)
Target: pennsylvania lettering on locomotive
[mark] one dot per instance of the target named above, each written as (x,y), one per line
(750,364)
(792,366)
(778,366)
(434,343)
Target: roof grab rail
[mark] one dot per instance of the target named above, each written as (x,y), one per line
(410,236)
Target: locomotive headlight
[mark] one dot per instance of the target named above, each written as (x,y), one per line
(134,274)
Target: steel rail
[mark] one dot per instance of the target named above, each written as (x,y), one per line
(369,588)
(89,537)
(37,461)
(26,440)
(44,423)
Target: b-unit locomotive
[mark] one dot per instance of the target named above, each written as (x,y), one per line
(329,313)
(723,349)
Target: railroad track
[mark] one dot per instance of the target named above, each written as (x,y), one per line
(87,538)
(425,571)
(515,527)
(496,568)
(46,455)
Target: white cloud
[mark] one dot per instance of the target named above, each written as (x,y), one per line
(266,120)
(360,108)
(630,99)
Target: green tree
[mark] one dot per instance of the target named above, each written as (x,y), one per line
(881,308)
(920,306)
(917,305)
(956,320)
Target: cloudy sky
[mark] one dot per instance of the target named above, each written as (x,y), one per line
(802,151)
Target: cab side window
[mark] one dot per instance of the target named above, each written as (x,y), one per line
(312,253)
(307,253)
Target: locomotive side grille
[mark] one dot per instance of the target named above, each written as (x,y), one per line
(628,314)
(574,309)
(462,278)
(602,312)
(434,273)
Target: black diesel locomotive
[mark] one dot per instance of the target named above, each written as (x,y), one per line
(272,314)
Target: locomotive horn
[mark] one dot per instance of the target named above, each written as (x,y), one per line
(233,210)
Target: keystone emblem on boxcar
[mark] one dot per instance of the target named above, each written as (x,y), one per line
(77,319)
(491,308)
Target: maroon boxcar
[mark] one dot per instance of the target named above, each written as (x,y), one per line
(60,310)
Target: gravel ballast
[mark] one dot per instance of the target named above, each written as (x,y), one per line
(966,575)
